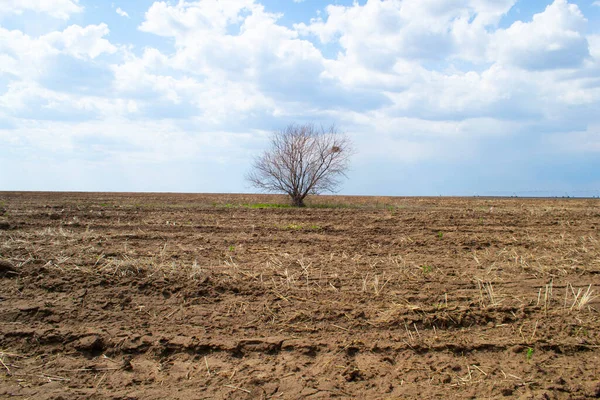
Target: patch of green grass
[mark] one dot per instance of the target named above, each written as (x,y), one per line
(266,205)
(427,268)
(529,353)
(231,248)
(580,331)
(393,210)
(440,234)
(293,227)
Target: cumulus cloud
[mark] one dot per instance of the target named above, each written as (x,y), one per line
(164,92)
(55,76)
(377,54)
(81,41)
(243,55)
(23,55)
(185,19)
(379,34)
(553,39)
(78,41)
(62,9)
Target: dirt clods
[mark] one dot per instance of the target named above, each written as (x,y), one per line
(7,268)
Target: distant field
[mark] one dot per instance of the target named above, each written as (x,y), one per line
(154,296)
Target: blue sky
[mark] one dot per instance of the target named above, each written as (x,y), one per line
(441,97)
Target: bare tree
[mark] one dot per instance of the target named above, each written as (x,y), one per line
(302,160)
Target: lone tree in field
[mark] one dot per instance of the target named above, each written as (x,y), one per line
(302,160)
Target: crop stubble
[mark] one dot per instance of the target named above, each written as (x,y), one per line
(150,296)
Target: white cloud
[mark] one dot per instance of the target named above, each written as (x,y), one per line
(61,9)
(500,92)
(238,47)
(150,79)
(587,141)
(121,12)
(28,57)
(82,41)
(554,39)
(53,76)
(378,55)
(22,54)
(27,100)
(379,34)
(185,19)
(115,139)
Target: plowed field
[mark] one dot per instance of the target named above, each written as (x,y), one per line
(180,296)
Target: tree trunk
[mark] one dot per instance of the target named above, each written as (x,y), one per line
(298,201)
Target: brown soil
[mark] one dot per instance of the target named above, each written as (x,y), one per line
(148,296)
